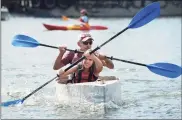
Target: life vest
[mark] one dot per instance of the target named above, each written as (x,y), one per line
(76,77)
(84,22)
(80,76)
(84,19)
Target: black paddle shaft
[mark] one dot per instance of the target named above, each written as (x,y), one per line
(126,61)
(112,58)
(50,46)
(83,57)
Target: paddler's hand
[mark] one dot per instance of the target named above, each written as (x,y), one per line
(61,72)
(87,53)
(60,79)
(62,49)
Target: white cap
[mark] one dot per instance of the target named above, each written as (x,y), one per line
(84,37)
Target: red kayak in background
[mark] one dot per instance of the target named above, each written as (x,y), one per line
(73,27)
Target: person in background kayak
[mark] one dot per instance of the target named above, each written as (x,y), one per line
(85,42)
(86,71)
(84,18)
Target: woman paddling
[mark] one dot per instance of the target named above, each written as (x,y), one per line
(84,18)
(86,71)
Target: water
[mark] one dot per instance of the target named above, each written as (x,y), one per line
(145,94)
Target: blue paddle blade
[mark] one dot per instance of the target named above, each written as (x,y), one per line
(145,15)
(24,41)
(9,103)
(165,69)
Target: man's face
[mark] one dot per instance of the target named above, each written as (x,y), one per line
(86,45)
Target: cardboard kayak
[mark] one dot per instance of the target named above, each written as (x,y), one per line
(73,27)
(90,92)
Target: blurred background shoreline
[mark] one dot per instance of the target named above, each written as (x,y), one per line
(96,8)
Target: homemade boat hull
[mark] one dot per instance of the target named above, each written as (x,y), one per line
(90,92)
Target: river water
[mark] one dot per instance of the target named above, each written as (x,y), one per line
(144,94)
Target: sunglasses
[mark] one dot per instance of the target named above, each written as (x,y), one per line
(86,43)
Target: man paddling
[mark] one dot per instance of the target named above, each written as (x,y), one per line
(85,42)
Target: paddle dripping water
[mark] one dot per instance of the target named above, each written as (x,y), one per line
(141,19)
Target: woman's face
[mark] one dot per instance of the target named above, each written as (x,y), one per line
(87,62)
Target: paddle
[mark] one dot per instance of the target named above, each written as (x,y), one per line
(144,16)
(65,18)
(26,41)
(163,69)
(14,102)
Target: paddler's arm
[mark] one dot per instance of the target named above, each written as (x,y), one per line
(108,63)
(64,75)
(98,64)
(58,63)
(105,61)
